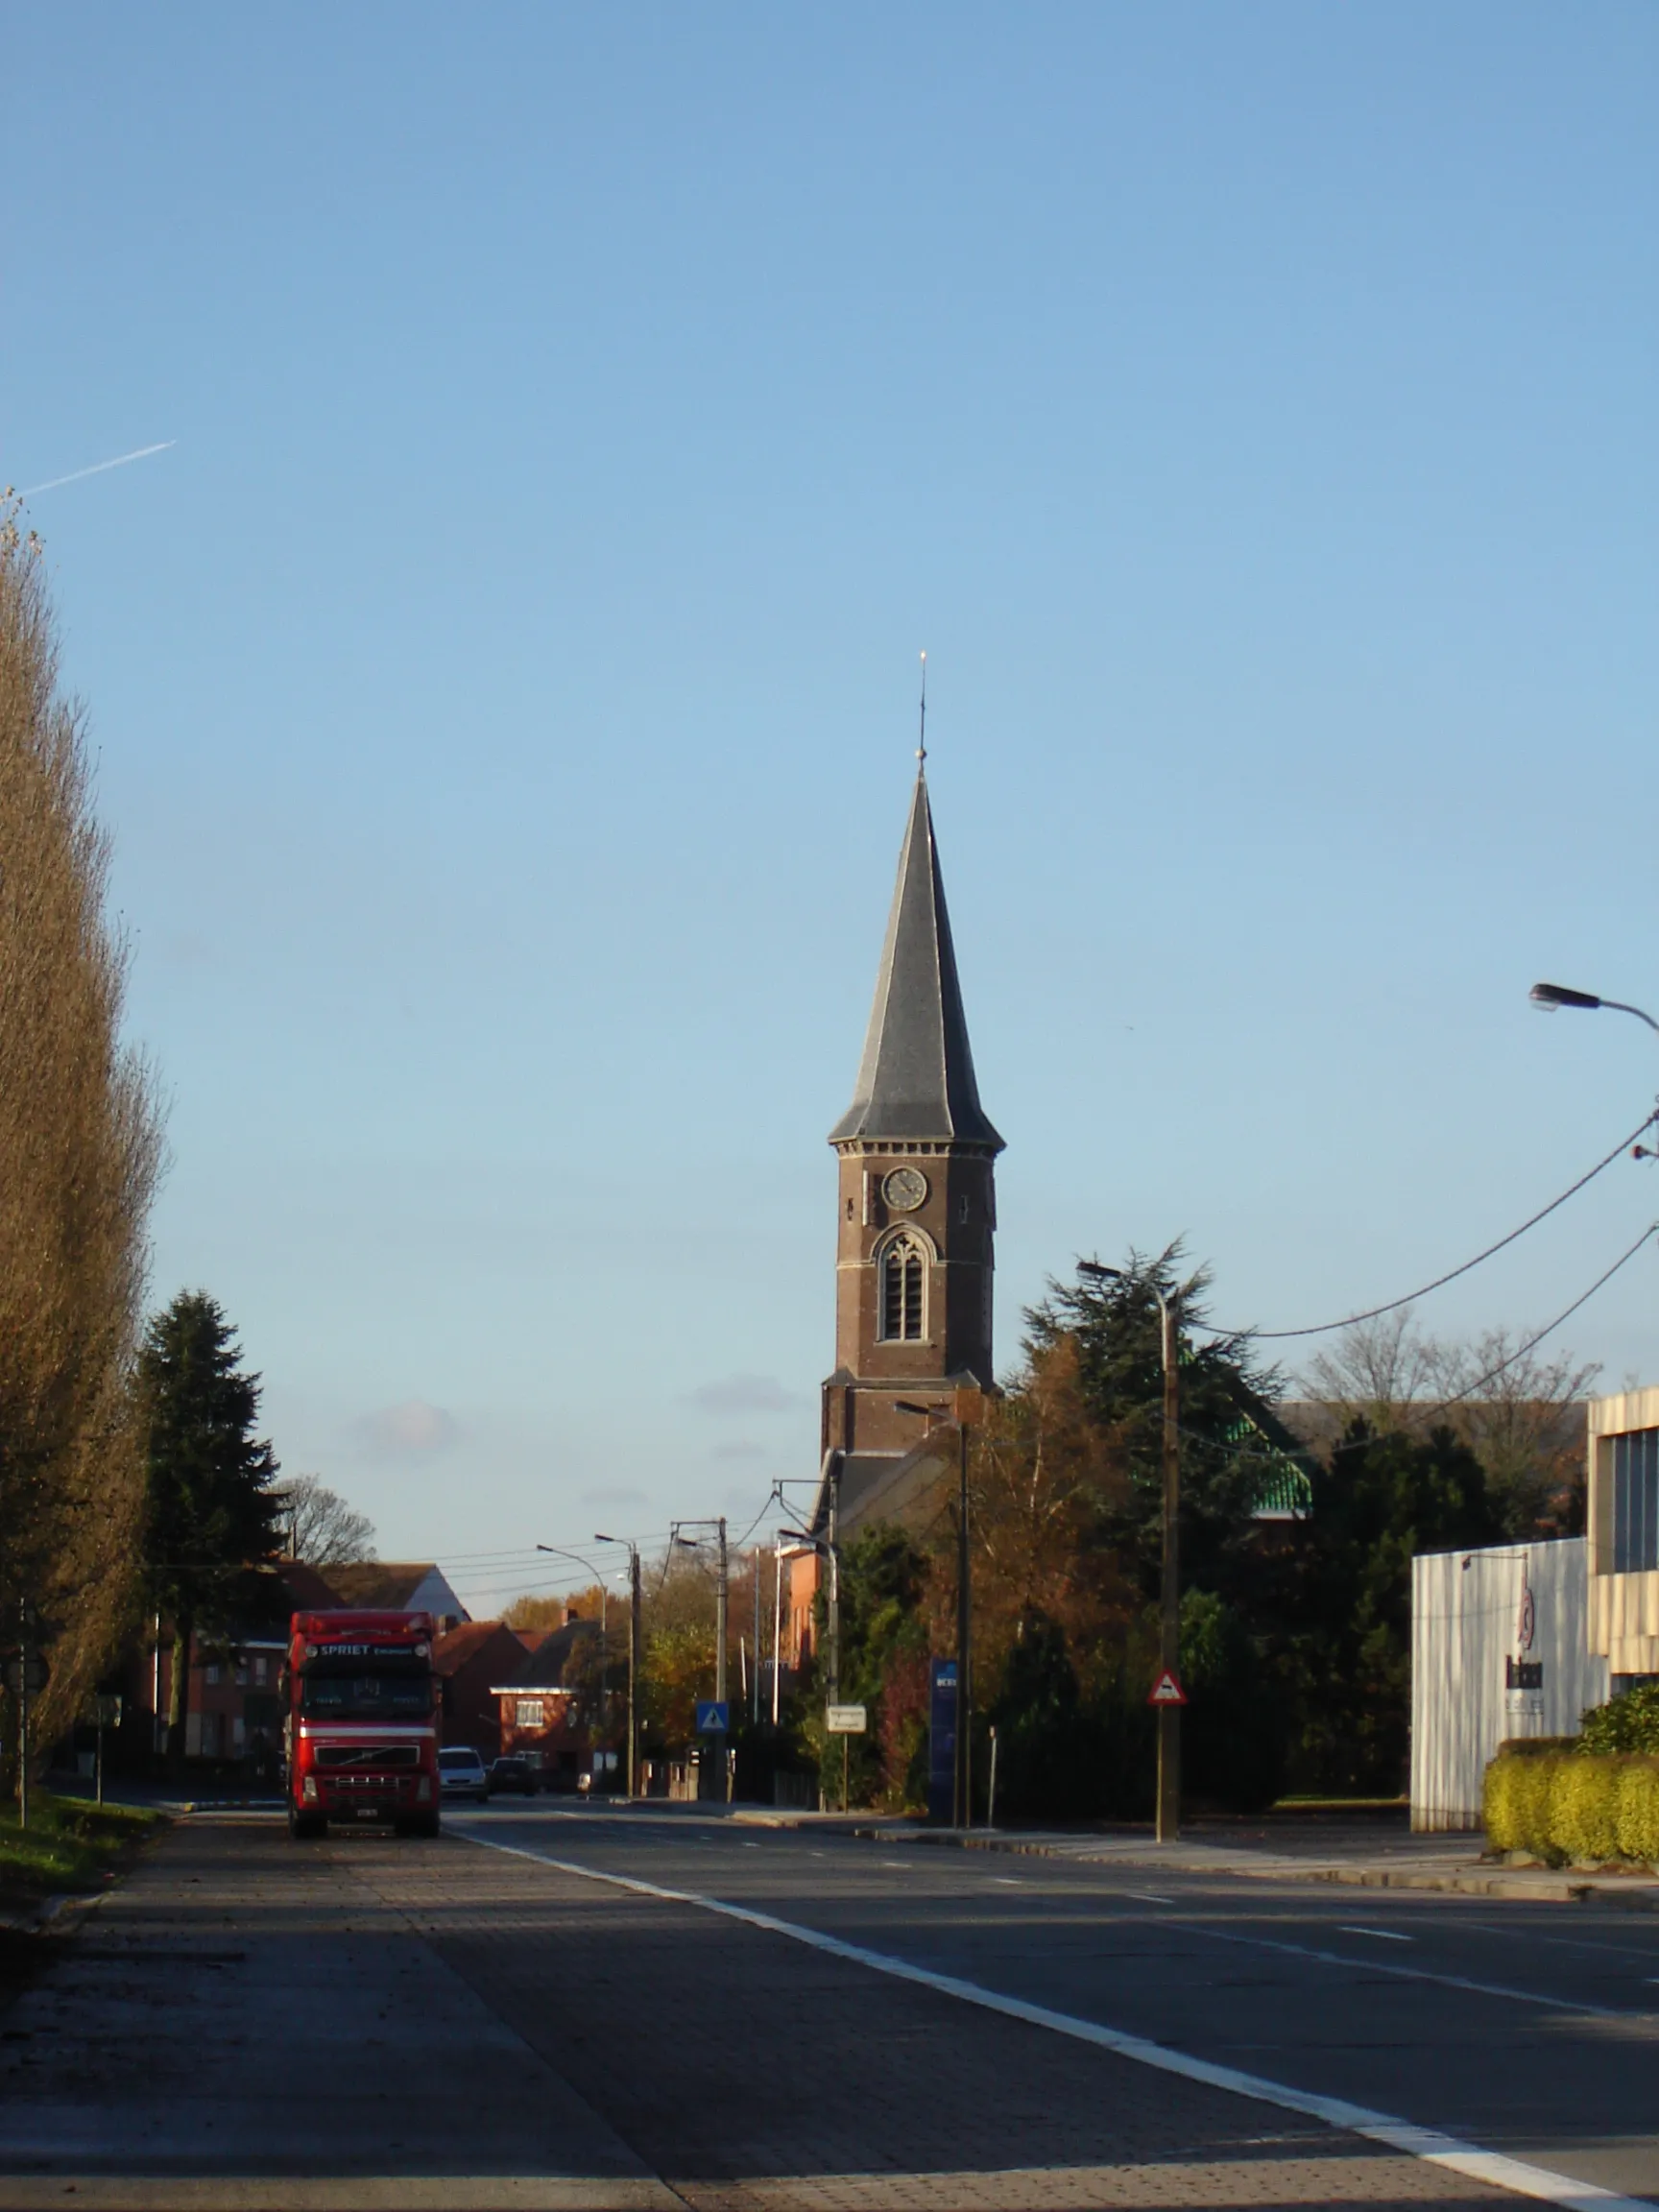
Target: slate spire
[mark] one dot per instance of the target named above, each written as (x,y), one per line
(916,1079)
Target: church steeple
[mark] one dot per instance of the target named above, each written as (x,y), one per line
(916,1078)
(917,1201)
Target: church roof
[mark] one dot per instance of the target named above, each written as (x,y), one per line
(917,1076)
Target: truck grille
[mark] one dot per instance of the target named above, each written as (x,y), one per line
(379,1756)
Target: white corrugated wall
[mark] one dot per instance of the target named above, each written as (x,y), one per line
(1466,1609)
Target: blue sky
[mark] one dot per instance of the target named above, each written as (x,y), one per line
(505,686)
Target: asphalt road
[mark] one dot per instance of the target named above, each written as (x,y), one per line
(1531,2030)
(586,2011)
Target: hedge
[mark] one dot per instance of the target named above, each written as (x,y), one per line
(1558,1805)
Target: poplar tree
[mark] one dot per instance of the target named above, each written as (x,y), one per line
(80,1145)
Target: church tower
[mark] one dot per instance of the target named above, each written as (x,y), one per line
(916,1207)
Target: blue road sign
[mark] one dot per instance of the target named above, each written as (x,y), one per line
(714,1717)
(941,1738)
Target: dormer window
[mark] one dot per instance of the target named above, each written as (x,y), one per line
(904,1291)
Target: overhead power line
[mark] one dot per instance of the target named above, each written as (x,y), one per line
(1393,1306)
(1532,1342)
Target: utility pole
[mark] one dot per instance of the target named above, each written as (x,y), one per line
(754,1697)
(720,1600)
(832,1600)
(964,1643)
(633,1667)
(1169,1595)
(776,1624)
(632,1654)
(1169,1587)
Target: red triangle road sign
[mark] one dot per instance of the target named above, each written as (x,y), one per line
(1166,1691)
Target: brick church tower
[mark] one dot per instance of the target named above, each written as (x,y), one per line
(917,1207)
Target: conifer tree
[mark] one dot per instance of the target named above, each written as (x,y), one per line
(212,1514)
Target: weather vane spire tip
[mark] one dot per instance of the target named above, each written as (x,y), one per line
(922,741)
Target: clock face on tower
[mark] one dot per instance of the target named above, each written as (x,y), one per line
(904,1189)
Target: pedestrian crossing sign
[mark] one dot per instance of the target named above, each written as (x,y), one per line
(714,1717)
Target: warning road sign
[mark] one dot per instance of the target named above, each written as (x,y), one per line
(1166,1691)
(714,1717)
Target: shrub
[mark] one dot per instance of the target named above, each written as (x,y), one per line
(1517,1803)
(1558,1805)
(1584,1807)
(1638,1809)
(1630,1723)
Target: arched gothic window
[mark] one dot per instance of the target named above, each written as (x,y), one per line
(904,1290)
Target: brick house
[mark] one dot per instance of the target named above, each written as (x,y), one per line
(548,1705)
(469,1661)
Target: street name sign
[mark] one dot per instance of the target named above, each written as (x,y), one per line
(714,1717)
(1166,1691)
(846,1719)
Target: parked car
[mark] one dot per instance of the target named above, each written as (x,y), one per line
(512,1774)
(460,1774)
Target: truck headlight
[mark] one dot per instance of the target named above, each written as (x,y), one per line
(423,1791)
(308,1789)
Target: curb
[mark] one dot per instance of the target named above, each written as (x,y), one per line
(1635,1894)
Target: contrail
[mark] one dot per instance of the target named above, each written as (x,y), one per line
(98,468)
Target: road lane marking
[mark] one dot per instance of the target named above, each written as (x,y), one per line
(1148,1897)
(1383,1934)
(1428,2144)
(1509,1996)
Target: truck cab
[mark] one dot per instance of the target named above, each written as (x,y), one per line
(361,1735)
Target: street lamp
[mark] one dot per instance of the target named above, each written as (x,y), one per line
(1550,997)
(1169,1592)
(633,1550)
(962,1774)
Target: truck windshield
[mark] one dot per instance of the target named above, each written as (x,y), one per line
(380,1689)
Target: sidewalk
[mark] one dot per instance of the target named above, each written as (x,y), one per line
(1451,1863)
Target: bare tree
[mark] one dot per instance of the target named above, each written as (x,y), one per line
(80,1134)
(324,1530)
(1377,1371)
(1518,1413)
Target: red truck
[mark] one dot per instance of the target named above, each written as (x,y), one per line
(361,1739)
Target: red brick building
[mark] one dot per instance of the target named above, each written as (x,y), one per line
(469,1661)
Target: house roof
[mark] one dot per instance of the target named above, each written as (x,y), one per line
(916,1078)
(543,1669)
(394,1584)
(456,1648)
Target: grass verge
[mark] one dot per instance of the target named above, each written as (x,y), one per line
(68,1845)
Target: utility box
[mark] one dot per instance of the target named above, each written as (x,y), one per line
(1499,1648)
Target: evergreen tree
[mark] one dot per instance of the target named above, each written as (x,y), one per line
(211,1513)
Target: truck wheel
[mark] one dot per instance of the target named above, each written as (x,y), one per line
(304,1827)
(419,1824)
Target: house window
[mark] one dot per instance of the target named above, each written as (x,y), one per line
(1636,1502)
(527,1712)
(903,1280)
(211,1674)
(260,1664)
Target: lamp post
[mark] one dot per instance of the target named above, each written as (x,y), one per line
(1550,997)
(633,1550)
(1169,1589)
(962,1779)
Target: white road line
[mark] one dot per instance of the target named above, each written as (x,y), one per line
(1500,1989)
(1494,2166)
(1383,1934)
(1148,1897)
